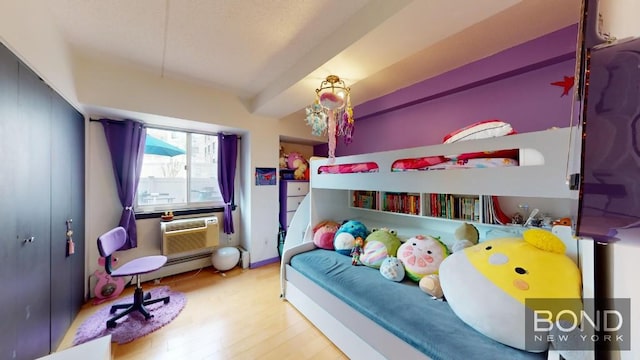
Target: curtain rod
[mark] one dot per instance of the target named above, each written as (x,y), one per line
(160,127)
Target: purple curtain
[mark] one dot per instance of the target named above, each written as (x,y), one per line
(126,141)
(227,155)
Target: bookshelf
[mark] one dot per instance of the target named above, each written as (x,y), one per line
(364,199)
(453,206)
(485,209)
(401,202)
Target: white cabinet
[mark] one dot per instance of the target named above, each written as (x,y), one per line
(292,192)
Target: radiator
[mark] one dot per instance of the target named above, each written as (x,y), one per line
(185,238)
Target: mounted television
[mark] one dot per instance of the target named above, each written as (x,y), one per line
(609,202)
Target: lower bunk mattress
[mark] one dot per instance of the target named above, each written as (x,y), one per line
(402,308)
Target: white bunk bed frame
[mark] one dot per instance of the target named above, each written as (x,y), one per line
(545,161)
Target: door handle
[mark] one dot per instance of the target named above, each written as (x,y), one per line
(29,240)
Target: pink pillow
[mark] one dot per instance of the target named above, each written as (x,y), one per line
(416,163)
(480,130)
(348,168)
(509,154)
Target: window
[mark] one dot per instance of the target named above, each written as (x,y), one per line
(179,171)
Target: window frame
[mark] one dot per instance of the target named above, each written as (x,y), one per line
(190,208)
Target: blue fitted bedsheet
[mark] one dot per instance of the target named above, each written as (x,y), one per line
(402,308)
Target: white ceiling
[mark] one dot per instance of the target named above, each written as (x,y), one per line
(273,53)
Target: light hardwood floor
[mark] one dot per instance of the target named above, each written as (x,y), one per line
(236,316)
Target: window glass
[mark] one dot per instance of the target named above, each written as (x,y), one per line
(179,171)
(204,169)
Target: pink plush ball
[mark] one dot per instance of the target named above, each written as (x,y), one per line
(323,234)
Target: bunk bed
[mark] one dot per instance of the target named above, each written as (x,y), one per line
(362,324)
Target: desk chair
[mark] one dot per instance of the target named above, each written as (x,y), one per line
(110,242)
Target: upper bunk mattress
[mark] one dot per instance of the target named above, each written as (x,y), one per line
(402,308)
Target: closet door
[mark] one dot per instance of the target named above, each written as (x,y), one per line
(77,159)
(67,204)
(32,171)
(9,245)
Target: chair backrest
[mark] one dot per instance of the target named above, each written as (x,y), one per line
(111,241)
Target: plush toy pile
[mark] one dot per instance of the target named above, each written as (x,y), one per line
(486,284)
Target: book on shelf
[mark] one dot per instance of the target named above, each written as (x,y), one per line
(453,206)
(406,203)
(365,199)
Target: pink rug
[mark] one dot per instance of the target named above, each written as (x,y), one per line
(134,325)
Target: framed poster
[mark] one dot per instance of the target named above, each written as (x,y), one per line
(265,176)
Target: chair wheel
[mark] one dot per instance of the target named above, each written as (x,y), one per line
(166,301)
(111,324)
(147,296)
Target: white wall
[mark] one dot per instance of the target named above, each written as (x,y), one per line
(94,87)
(619,18)
(28,31)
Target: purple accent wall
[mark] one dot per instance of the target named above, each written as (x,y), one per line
(513,86)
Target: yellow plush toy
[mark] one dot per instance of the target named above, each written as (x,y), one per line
(486,285)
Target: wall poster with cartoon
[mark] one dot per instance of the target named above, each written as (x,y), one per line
(265,176)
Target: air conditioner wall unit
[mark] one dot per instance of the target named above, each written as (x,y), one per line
(187,237)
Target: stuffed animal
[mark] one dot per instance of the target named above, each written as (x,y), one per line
(487,284)
(283,158)
(466,235)
(323,234)
(302,172)
(431,285)
(421,255)
(356,251)
(346,235)
(296,162)
(392,269)
(380,244)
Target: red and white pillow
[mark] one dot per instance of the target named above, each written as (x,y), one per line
(480,130)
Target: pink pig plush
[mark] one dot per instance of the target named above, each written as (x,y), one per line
(421,255)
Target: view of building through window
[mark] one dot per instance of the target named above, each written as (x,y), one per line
(179,171)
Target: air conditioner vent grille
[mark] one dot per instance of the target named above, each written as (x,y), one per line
(186,224)
(187,237)
(187,242)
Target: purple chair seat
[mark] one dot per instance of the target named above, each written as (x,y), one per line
(142,265)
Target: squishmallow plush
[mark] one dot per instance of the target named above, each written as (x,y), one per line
(378,245)
(323,234)
(487,284)
(346,236)
(421,255)
(392,269)
(466,235)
